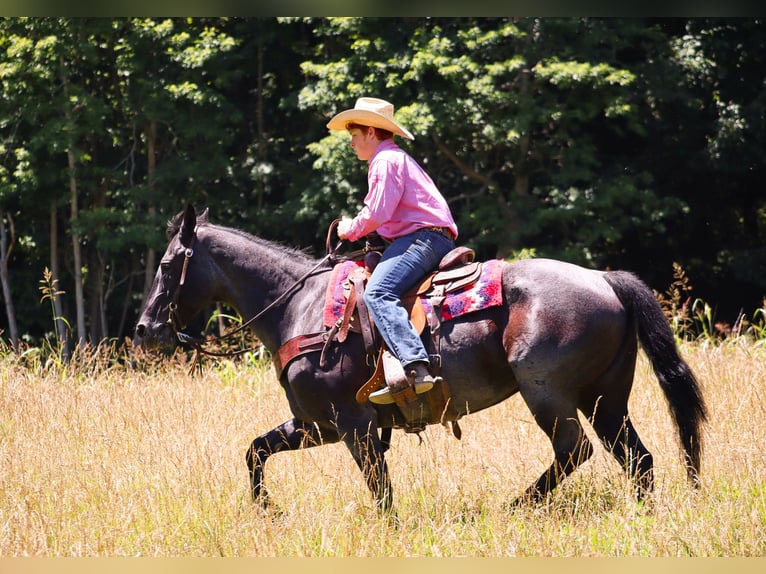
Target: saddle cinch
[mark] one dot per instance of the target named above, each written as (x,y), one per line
(456,271)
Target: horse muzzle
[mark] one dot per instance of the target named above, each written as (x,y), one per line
(159,337)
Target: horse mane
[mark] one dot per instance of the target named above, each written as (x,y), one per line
(175,224)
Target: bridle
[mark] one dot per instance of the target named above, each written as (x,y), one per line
(174,321)
(199,345)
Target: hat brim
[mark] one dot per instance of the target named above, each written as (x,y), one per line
(365,118)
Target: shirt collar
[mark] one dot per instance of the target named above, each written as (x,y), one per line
(384,145)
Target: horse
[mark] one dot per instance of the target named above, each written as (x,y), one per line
(565,337)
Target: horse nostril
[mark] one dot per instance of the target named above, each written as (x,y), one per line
(141,330)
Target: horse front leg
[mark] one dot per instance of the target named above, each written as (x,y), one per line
(290,435)
(363,441)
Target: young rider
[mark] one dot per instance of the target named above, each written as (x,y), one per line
(405,207)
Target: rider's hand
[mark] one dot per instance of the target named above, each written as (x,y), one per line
(343,226)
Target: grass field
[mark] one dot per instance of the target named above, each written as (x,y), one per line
(107,461)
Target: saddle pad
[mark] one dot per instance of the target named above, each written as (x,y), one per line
(486,292)
(335,298)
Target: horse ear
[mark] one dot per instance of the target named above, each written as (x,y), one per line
(189,224)
(202,218)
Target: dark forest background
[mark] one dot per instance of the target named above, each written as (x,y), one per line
(631,143)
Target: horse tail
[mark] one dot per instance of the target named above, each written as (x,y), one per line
(676,379)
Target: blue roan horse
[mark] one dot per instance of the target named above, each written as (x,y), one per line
(565,338)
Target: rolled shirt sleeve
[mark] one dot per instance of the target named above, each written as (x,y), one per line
(401,197)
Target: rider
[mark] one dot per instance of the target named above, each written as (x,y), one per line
(405,207)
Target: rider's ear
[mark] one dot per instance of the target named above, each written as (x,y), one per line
(190,223)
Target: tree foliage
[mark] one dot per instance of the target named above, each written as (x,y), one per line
(630,143)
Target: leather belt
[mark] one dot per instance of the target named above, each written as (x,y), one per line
(445,231)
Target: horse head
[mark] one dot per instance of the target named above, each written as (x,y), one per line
(175,296)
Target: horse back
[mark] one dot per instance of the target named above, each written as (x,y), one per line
(566,313)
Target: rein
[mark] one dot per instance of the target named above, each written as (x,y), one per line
(199,344)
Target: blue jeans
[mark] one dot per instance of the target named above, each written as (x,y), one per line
(404,263)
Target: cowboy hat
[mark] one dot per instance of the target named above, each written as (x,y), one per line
(370,112)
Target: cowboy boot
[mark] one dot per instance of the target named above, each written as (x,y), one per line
(423,382)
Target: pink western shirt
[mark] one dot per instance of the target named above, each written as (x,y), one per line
(402,197)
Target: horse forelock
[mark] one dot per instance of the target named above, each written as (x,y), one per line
(174,225)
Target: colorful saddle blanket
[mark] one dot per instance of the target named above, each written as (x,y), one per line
(485,292)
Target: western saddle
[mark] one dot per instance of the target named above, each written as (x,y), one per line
(456,271)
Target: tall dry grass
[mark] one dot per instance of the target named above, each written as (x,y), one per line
(109,461)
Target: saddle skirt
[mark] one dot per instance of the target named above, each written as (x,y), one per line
(465,289)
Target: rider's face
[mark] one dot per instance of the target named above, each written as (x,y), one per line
(363,142)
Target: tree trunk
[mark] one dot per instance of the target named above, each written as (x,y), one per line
(61,327)
(6,246)
(97,290)
(74,210)
(151,169)
(126,303)
(521,171)
(511,206)
(74,213)
(261,136)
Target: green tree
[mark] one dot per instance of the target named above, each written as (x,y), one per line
(631,143)
(509,115)
(723,64)
(80,127)
(171,135)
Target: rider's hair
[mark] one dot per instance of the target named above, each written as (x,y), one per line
(380,133)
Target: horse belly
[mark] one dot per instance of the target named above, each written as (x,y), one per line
(474,362)
(316,394)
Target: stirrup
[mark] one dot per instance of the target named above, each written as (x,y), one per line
(384,396)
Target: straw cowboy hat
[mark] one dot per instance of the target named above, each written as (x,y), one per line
(370,112)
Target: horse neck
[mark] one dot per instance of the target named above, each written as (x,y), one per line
(252,273)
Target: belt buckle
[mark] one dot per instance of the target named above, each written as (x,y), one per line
(442,231)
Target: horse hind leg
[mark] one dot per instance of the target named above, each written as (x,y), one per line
(571,447)
(619,436)
(607,409)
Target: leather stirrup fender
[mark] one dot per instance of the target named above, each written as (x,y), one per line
(345,322)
